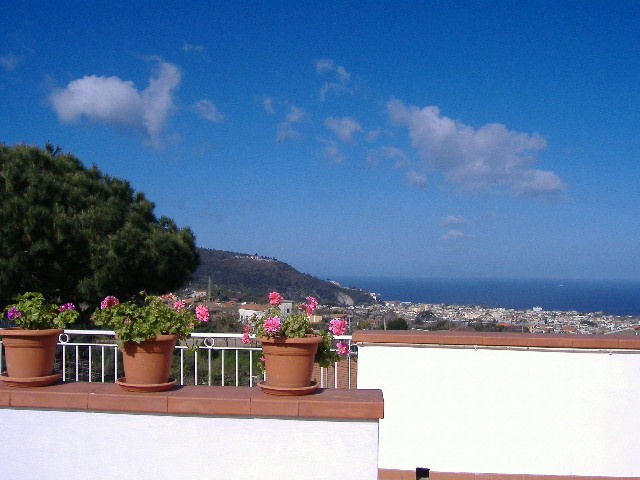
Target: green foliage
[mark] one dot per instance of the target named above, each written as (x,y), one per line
(227,324)
(136,323)
(33,312)
(398,324)
(486,327)
(325,356)
(72,232)
(363,325)
(426,316)
(440,325)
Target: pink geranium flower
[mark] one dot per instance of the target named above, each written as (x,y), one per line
(202,313)
(245,335)
(275,298)
(343,348)
(109,301)
(338,326)
(66,306)
(179,305)
(312,304)
(272,324)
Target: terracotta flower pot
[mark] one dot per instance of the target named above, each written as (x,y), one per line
(289,365)
(30,356)
(147,365)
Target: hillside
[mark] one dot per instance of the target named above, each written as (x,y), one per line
(251,277)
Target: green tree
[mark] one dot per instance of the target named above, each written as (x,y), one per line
(77,234)
(426,316)
(398,324)
(441,325)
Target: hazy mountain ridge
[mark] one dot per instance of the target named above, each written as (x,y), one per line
(253,276)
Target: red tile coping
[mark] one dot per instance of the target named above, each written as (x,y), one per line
(198,400)
(497,339)
(389,474)
(505,476)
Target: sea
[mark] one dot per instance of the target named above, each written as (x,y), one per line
(608,296)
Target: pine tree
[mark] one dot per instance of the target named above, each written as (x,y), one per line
(77,234)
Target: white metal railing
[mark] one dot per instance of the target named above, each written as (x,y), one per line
(204,359)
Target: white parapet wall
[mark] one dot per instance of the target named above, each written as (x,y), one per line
(84,443)
(505,404)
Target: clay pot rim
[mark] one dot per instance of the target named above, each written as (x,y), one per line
(165,337)
(279,340)
(26,332)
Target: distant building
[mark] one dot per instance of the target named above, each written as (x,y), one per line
(286,307)
(250,309)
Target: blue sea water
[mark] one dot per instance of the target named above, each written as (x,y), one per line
(613,297)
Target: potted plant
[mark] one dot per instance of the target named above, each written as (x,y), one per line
(147,333)
(30,347)
(290,346)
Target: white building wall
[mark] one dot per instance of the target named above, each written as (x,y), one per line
(506,411)
(68,445)
(244,315)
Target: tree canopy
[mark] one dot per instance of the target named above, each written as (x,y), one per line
(398,324)
(77,234)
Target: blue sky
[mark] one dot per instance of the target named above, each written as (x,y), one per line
(433,139)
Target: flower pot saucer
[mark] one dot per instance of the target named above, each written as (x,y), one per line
(145,387)
(290,391)
(30,381)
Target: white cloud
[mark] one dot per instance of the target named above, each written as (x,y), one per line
(207,110)
(342,77)
(372,135)
(476,159)
(538,182)
(9,61)
(268,105)
(417,178)
(188,47)
(453,220)
(286,129)
(332,151)
(106,99)
(118,102)
(344,127)
(158,97)
(296,114)
(325,65)
(453,236)
(398,156)
(373,158)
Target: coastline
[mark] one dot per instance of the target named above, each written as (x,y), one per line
(611,297)
(426,316)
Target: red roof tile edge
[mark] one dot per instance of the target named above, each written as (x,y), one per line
(497,339)
(511,476)
(356,404)
(391,474)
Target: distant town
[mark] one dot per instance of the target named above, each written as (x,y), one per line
(427,316)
